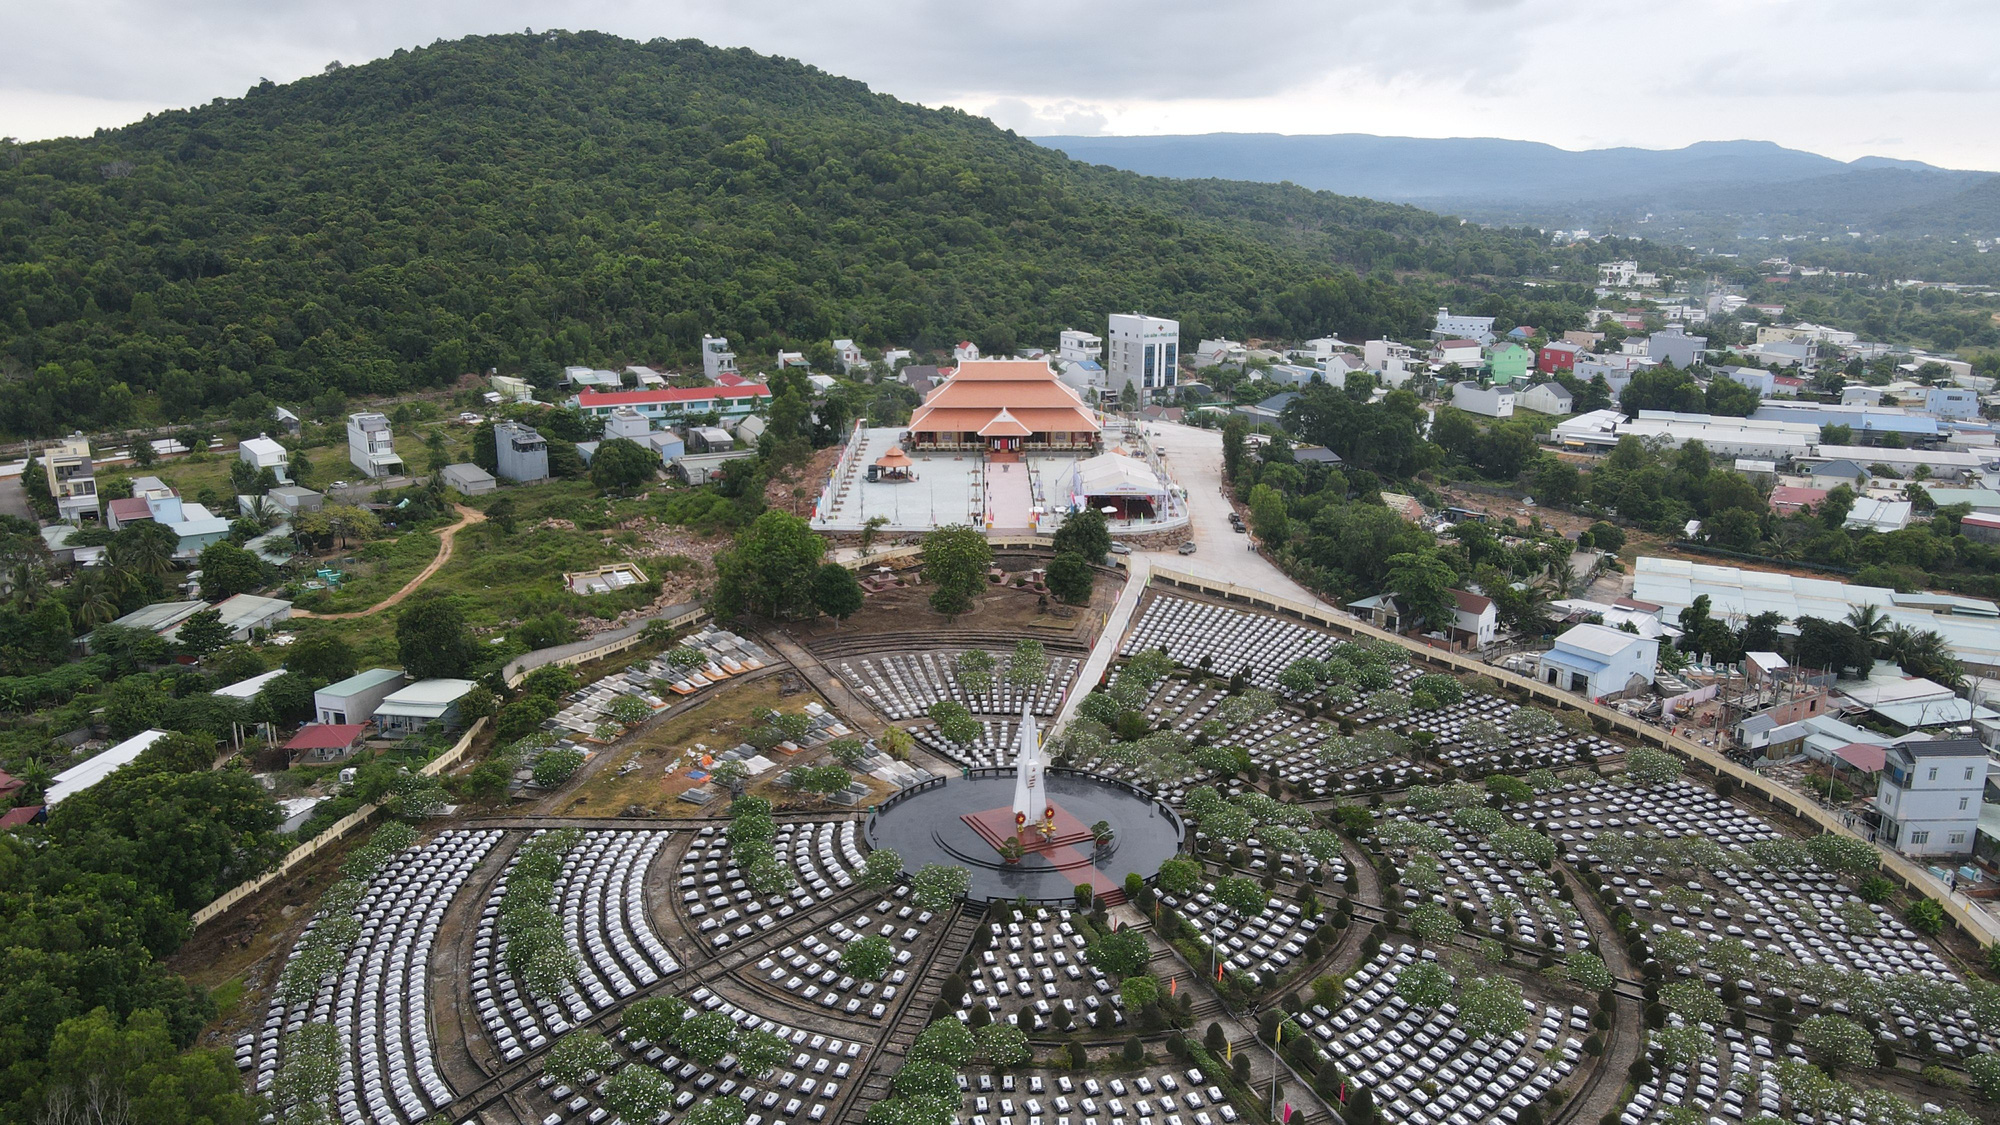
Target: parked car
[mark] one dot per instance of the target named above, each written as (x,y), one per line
(1187,548)
(1120,549)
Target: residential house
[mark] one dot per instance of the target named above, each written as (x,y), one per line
(1489,402)
(964,350)
(1470,355)
(627,423)
(1545,398)
(417,706)
(262,453)
(317,744)
(1598,661)
(1615,370)
(1827,474)
(1209,353)
(1756,378)
(1671,345)
(1878,515)
(1478,329)
(1318,351)
(716,358)
(1078,347)
(370,446)
(1474,621)
(82,776)
(1379,610)
(710,439)
(1558,356)
(72,479)
(245,615)
(469,479)
(1315,455)
(354,699)
(1508,363)
(521,451)
(849,356)
(1930,795)
(1788,499)
(1951,402)
(1583,339)
(293,499)
(1378,355)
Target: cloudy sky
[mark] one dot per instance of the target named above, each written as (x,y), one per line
(1916,79)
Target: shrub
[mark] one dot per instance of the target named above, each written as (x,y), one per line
(1925,916)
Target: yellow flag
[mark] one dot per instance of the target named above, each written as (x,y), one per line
(1228,1051)
(1280,1036)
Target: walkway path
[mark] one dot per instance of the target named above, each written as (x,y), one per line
(528,662)
(466,518)
(1102,653)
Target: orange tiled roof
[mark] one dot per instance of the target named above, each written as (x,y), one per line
(983,391)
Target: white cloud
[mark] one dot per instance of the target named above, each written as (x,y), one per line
(1844,77)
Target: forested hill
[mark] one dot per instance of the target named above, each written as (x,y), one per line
(525,201)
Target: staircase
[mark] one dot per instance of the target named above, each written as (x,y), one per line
(916,1011)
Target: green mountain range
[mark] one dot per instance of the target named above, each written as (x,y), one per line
(525,201)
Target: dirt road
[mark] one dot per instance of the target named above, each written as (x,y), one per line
(466,518)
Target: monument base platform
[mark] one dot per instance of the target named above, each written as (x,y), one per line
(996,826)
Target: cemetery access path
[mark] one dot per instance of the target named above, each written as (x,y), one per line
(466,518)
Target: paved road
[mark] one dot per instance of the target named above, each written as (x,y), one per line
(14,500)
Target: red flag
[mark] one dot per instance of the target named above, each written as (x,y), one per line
(1218,972)
(1173,985)
(1288,1113)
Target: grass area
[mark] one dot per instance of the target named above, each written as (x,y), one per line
(374,571)
(718,721)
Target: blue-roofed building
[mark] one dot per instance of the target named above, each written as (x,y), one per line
(1860,419)
(1597,660)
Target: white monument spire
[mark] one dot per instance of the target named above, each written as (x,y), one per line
(1030,798)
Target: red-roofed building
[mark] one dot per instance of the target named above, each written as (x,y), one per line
(1980,528)
(1557,357)
(668,404)
(10,785)
(1787,498)
(1474,620)
(26,814)
(319,743)
(1004,405)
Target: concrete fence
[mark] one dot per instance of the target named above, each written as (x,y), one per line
(1975,924)
(333,834)
(610,648)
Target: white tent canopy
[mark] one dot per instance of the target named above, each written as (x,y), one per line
(1114,474)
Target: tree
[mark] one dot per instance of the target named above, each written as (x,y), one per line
(1843,855)
(835,591)
(1178,876)
(1837,1043)
(1587,971)
(1424,985)
(758,1051)
(954,722)
(706,1036)
(716,1111)
(1244,896)
(1268,515)
(657,1019)
(578,1055)
(1693,1002)
(1490,1007)
(822,781)
(621,465)
(555,766)
(202,633)
(1003,1044)
(1028,667)
(974,671)
(944,1041)
(882,869)
(868,957)
(1085,533)
(936,887)
(770,570)
(99,1071)
(1646,766)
(1422,583)
(228,570)
(1070,578)
(638,1093)
(955,558)
(1122,953)
(321,657)
(432,641)
(1984,1069)
(1607,536)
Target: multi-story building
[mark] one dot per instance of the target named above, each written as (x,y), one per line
(1077,347)
(521,453)
(1929,796)
(716,358)
(370,446)
(1145,354)
(1671,345)
(674,403)
(72,478)
(261,452)
(1476,328)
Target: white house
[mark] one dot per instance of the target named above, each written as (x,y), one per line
(1469,354)
(1545,398)
(1597,660)
(1077,346)
(1489,402)
(1378,354)
(1211,352)
(354,699)
(964,350)
(1476,328)
(1951,402)
(1322,349)
(849,357)
(716,358)
(425,702)
(370,446)
(1929,796)
(1474,620)
(261,452)
(1878,515)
